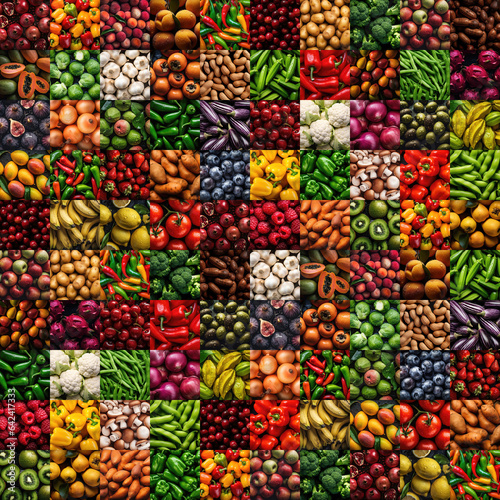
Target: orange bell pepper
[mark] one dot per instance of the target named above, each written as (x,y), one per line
(226,480)
(245,454)
(58,15)
(407,204)
(55,28)
(405,228)
(427,230)
(245,464)
(84,19)
(205,478)
(445,230)
(77,30)
(57,4)
(207,454)
(95,29)
(95,3)
(434,218)
(444,214)
(234,468)
(95,15)
(208,465)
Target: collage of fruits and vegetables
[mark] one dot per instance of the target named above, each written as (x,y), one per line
(202,288)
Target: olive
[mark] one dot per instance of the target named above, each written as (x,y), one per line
(410,134)
(220,333)
(231,307)
(442,108)
(413,145)
(245,339)
(214,324)
(430,137)
(431,107)
(406,111)
(231,338)
(403,128)
(414,124)
(210,335)
(203,304)
(445,138)
(220,317)
(421,133)
(418,107)
(213,345)
(206,319)
(404,104)
(218,307)
(439,128)
(406,118)
(203,329)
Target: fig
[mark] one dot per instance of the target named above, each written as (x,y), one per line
(281,323)
(266,328)
(277,304)
(16,128)
(31,123)
(279,339)
(41,109)
(10,142)
(14,111)
(4,126)
(264,312)
(29,140)
(27,103)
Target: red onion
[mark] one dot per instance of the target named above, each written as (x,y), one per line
(364,123)
(164,373)
(190,388)
(376,128)
(192,369)
(393,104)
(389,138)
(175,361)
(154,377)
(168,391)
(375,111)
(192,354)
(176,378)
(356,128)
(392,119)
(357,108)
(157,357)
(368,140)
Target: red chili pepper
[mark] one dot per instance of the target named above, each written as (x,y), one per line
(225,10)
(211,23)
(327,84)
(461,473)
(65,168)
(329,66)
(316,362)
(328,379)
(474,461)
(109,272)
(162,311)
(79,179)
(315,369)
(344,387)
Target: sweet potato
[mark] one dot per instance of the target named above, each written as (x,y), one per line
(490,413)
(472,438)
(495,436)
(471,406)
(156,155)
(171,156)
(195,186)
(469,417)
(457,423)
(484,423)
(456,405)
(169,189)
(190,163)
(185,173)
(169,167)
(157,173)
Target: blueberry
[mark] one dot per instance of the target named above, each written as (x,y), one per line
(204,170)
(216,173)
(424,355)
(416,373)
(427,367)
(246,156)
(429,396)
(417,393)
(404,371)
(436,355)
(227,186)
(246,194)
(247,168)
(235,155)
(207,183)
(213,160)
(439,367)
(446,394)
(239,179)
(408,384)
(218,194)
(239,166)
(447,381)
(224,154)
(439,379)
(237,191)
(247,182)
(404,395)
(204,195)
(413,360)
(446,356)
(438,391)
(427,385)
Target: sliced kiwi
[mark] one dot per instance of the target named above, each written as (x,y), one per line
(28,480)
(394,224)
(391,212)
(10,473)
(12,494)
(380,245)
(360,223)
(356,207)
(394,203)
(44,474)
(362,243)
(4,457)
(30,495)
(379,230)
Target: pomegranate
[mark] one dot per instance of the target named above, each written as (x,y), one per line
(27,20)
(392,460)
(376,470)
(226,219)
(15,31)
(365,481)
(221,206)
(354,471)
(390,494)
(214,231)
(358,458)
(22,7)
(373,494)
(382,483)
(42,10)
(8,9)
(372,456)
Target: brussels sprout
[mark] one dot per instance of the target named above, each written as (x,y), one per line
(362,310)
(86,80)
(392,316)
(62,60)
(387,330)
(76,68)
(92,67)
(75,92)
(82,56)
(376,318)
(358,341)
(58,91)
(381,305)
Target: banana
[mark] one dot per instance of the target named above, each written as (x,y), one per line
(345,405)
(91,236)
(64,218)
(342,433)
(314,418)
(337,425)
(333,409)
(54,219)
(95,205)
(74,215)
(87,226)
(324,415)
(76,236)
(315,440)
(63,238)
(84,210)
(303,439)
(325,435)
(304,420)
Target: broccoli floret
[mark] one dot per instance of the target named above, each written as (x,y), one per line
(327,458)
(357,36)
(369,43)
(345,486)
(331,479)
(378,8)
(306,486)
(194,260)
(170,294)
(160,265)
(180,279)
(393,11)
(319,492)
(381,28)
(395,37)
(343,460)
(177,258)
(360,14)
(194,287)
(156,288)
(309,465)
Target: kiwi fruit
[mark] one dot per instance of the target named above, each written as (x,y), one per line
(12,494)
(44,474)
(28,459)
(360,223)
(44,492)
(394,224)
(362,243)
(394,203)
(10,473)
(30,495)
(4,457)
(28,480)
(380,245)
(379,230)
(356,207)
(44,453)
(377,209)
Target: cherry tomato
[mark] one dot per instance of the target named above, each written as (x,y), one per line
(194,215)
(442,440)
(426,444)
(444,414)
(159,238)
(156,213)
(176,245)
(428,425)
(178,225)
(181,205)
(406,413)
(432,406)
(409,438)
(193,239)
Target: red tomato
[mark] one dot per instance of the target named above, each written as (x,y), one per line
(181,205)
(193,239)
(156,213)
(176,245)
(428,425)
(432,406)
(443,439)
(194,215)
(159,238)
(406,413)
(444,414)
(426,444)
(178,225)
(409,438)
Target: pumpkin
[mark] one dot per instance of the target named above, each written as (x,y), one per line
(11,70)
(311,270)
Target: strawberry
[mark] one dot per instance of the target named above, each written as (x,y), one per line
(494,393)
(469,377)
(458,386)
(461,365)
(471,366)
(128,174)
(453,373)
(465,393)
(478,358)
(486,387)
(475,388)
(463,355)
(486,372)
(462,374)
(138,159)
(478,373)
(495,367)
(491,380)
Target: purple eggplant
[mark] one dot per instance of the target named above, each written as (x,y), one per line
(209,113)
(222,108)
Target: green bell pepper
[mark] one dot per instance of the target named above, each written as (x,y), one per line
(162,488)
(158,462)
(177,493)
(189,483)
(176,466)
(325,165)
(307,162)
(326,192)
(312,188)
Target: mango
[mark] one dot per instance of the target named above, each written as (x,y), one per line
(370,407)
(360,421)
(375,427)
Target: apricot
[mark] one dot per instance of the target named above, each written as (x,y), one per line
(193,6)
(186,19)
(494,210)
(360,421)
(454,220)
(163,41)
(353,445)
(491,241)
(165,20)
(415,270)
(436,268)
(185,40)
(397,410)
(375,427)
(491,227)
(443,256)
(476,239)
(414,291)
(386,416)
(435,289)
(385,444)
(480,213)
(156,6)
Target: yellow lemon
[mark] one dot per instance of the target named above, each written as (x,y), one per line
(127,218)
(140,239)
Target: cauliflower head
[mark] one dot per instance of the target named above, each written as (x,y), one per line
(71,382)
(321,132)
(341,138)
(339,115)
(88,365)
(309,112)
(59,362)
(305,138)
(55,388)
(91,388)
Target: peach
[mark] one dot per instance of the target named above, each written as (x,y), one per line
(435,289)
(436,268)
(414,291)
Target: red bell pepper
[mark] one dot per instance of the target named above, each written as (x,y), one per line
(440,190)
(162,312)
(415,240)
(345,76)
(345,93)
(404,192)
(295,422)
(431,204)
(214,490)
(192,345)
(290,440)
(409,174)
(275,430)
(237,488)
(180,316)
(268,442)
(418,222)
(254,442)
(82,5)
(68,22)
(258,424)
(444,172)
(291,406)
(263,406)
(418,193)
(440,156)
(413,156)
(232,455)
(65,40)
(278,416)
(218,472)
(96,45)
(428,167)
(312,62)
(87,39)
(437,238)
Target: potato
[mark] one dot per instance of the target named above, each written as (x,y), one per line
(318,18)
(484,423)
(76,255)
(79,282)
(55,268)
(94,261)
(315,6)
(65,256)
(457,422)
(61,291)
(85,261)
(305,7)
(55,257)
(68,268)
(71,292)
(343,24)
(490,413)
(95,289)
(85,292)
(93,274)
(469,417)
(80,268)
(62,278)
(312,29)
(53,282)
(89,253)
(157,173)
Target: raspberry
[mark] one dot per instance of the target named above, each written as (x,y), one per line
(297,210)
(283,204)
(295,226)
(24,438)
(3,423)
(278,218)
(19,408)
(41,415)
(15,428)
(252,235)
(46,426)
(260,214)
(28,417)
(285,232)
(264,227)
(295,247)
(43,439)
(269,207)
(290,215)
(253,222)
(35,432)
(33,405)
(274,238)
(282,246)
(261,242)
(31,446)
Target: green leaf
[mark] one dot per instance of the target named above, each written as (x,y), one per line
(454,105)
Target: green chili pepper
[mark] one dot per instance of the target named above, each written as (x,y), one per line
(67,193)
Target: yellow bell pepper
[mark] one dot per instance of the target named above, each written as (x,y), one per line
(289,194)
(255,171)
(208,465)
(54,41)
(270,155)
(61,437)
(204,490)
(86,404)
(84,18)
(275,172)
(70,405)
(261,187)
(94,429)
(234,468)
(427,230)
(75,445)
(95,15)
(245,480)
(445,230)
(434,219)
(291,162)
(89,444)
(95,29)
(75,422)
(90,412)
(285,153)
(55,421)
(404,240)
(62,412)
(58,15)
(76,44)
(77,30)
(277,188)
(227,480)
(293,178)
